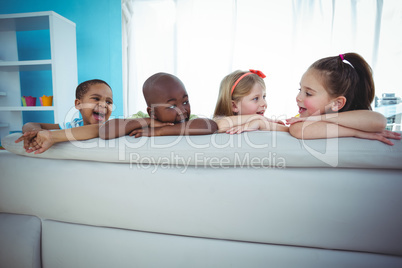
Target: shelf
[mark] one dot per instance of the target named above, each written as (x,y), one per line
(38,51)
(26,108)
(29,21)
(29,65)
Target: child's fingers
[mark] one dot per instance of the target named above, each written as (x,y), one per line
(391,135)
(19,139)
(293,120)
(132,133)
(385,140)
(41,150)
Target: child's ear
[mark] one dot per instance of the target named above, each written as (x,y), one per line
(338,103)
(235,108)
(77,104)
(151,113)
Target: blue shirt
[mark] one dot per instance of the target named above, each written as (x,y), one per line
(77,122)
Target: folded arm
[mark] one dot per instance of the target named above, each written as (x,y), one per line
(199,126)
(364,120)
(120,127)
(257,124)
(229,122)
(324,130)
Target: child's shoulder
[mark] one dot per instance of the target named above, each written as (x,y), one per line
(139,114)
(193,116)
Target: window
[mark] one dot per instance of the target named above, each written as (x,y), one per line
(201,41)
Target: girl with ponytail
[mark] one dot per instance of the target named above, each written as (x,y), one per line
(335,101)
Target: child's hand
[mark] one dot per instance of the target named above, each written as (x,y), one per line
(293,120)
(274,121)
(312,118)
(250,126)
(383,136)
(145,132)
(41,143)
(391,135)
(156,123)
(28,137)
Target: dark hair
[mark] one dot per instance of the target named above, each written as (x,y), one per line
(354,81)
(83,88)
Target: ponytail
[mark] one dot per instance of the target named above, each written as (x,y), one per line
(348,75)
(365,89)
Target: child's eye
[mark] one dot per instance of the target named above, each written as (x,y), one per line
(264,97)
(109,102)
(172,107)
(308,94)
(95,98)
(185,103)
(256,99)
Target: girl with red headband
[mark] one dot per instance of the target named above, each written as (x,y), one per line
(335,101)
(241,104)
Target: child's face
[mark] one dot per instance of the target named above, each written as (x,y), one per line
(312,99)
(96,105)
(253,103)
(170,102)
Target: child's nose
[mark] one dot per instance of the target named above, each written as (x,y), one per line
(182,109)
(299,96)
(103,104)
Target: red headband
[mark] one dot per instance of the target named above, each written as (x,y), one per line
(259,73)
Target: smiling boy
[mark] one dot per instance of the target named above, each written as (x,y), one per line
(169,112)
(94,100)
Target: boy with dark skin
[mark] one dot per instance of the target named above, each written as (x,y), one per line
(169,111)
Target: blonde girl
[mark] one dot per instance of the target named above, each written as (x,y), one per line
(335,101)
(241,104)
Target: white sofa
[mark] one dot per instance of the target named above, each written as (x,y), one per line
(259,199)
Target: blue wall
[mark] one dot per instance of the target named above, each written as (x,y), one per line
(98,29)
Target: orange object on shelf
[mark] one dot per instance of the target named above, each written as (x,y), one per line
(46,100)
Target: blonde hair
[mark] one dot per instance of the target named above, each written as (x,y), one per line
(224,103)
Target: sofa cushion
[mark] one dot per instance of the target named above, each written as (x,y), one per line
(251,149)
(82,246)
(20,241)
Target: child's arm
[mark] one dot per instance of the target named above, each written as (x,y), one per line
(33,129)
(198,126)
(257,124)
(28,127)
(228,122)
(120,127)
(323,130)
(44,139)
(364,120)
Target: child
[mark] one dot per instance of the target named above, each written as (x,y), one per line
(94,100)
(335,101)
(169,111)
(241,104)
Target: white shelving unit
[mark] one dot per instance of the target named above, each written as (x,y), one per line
(62,64)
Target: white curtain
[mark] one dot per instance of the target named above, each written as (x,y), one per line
(201,41)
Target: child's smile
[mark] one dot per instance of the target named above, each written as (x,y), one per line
(99,116)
